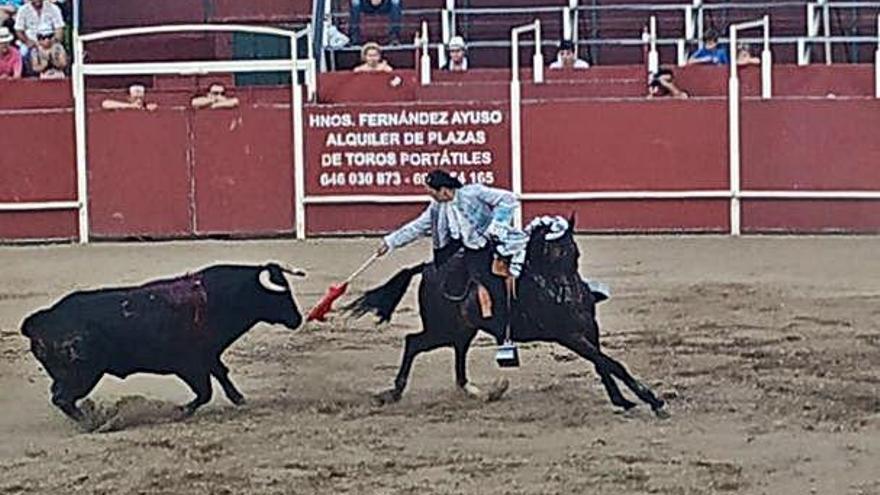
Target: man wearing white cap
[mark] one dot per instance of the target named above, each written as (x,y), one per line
(31,17)
(10,59)
(458,61)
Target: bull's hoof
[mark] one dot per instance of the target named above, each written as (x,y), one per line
(238,400)
(661,413)
(185,411)
(389,396)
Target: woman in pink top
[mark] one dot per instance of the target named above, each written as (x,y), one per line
(10,59)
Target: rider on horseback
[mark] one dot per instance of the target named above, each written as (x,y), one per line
(472,219)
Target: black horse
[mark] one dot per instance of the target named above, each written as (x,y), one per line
(553,304)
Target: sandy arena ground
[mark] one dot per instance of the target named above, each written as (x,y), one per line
(766,349)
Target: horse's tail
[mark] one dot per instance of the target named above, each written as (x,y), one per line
(383,300)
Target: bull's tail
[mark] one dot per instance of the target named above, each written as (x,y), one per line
(383,300)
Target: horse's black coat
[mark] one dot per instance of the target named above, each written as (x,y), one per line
(553,304)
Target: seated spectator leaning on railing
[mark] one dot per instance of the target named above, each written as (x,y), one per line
(662,83)
(48,58)
(744,55)
(566,57)
(135,101)
(371,58)
(390,7)
(216,98)
(10,59)
(33,15)
(458,61)
(711,53)
(8,8)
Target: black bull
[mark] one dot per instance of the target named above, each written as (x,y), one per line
(553,305)
(179,326)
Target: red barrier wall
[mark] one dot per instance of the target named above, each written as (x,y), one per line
(666,215)
(243,171)
(358,218)
(139,174)
(38,225)
(37,164)
(824,144)
(681,146)
(181,173)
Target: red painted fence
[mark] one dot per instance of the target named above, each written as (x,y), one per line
(177,173)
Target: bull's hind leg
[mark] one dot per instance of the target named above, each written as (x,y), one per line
(221,373)
(200,383)
(608,365)
(415,344)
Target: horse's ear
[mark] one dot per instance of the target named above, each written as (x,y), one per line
(571,219)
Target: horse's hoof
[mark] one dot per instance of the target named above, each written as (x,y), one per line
(389,396)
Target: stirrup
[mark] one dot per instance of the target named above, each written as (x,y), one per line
(507,355)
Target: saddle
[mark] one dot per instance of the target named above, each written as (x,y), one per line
(457,283)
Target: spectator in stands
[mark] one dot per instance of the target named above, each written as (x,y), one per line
(744,55)
(31,16)
(566,57)
(662,83)
(390,7)
(216,98)
(10,59)
(333,37)
(8,8)
(371,58)
(135,101)
(458,61)
(48,59)
(711,53)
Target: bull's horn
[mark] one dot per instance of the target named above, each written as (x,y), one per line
(268,284)
(295,272)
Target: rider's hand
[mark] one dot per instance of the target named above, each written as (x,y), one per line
(382,249)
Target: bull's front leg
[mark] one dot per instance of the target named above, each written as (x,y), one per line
(221,373)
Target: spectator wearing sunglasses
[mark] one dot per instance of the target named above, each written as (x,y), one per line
(31,17)
(48,58)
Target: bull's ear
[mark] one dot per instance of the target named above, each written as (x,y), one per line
(571,219)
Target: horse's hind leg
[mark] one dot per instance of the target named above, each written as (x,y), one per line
(415,344)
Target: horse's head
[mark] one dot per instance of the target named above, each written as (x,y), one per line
(552,251)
